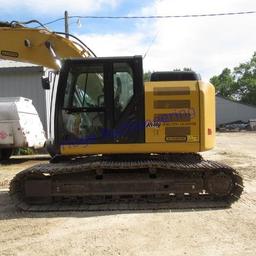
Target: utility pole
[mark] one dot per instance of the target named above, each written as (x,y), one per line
(66,23)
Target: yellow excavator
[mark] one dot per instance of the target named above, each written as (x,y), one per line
(118,143)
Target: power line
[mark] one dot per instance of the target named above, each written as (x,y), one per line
(53,21)
(151,44)
(165,16)
(156,16)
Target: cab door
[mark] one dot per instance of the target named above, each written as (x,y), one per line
(128,103)
(101,102)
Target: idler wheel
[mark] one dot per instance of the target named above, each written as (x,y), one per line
(219,184)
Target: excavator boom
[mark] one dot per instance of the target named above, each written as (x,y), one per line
(38,46)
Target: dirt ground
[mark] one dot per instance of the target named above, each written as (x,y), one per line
(190,232)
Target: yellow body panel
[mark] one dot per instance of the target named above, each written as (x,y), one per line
(207,116)
(127,148)
(172,104)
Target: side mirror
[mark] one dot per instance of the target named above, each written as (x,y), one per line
(45,83)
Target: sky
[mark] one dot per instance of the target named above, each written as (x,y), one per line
(207,44)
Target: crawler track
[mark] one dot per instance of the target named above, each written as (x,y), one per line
(102,183)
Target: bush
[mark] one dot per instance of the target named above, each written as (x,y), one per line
(24,151)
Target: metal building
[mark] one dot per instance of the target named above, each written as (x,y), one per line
(228,111)
(22,79)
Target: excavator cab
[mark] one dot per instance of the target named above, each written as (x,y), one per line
(103,107)
(100,101)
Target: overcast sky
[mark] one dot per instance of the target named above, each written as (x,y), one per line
(207,45)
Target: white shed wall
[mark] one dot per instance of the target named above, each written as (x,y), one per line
(25,83)
(229,111)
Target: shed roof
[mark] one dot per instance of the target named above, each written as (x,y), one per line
(8,65)
(234,101)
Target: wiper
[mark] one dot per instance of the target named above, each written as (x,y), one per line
(84,109)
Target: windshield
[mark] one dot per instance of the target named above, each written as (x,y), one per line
(85,88)
(83,110)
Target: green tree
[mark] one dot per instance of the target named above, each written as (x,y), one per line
(184,69)
(224,83)
(239,84)
(146,76)
(246,80)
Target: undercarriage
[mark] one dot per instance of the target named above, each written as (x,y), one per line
(128,182)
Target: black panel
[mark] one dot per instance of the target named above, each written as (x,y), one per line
(175,76)
(5,24)
(130,128)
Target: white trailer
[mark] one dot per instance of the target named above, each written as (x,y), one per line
(20,126)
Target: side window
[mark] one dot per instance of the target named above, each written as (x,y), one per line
(68,91)
(123,87)
(89,91)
